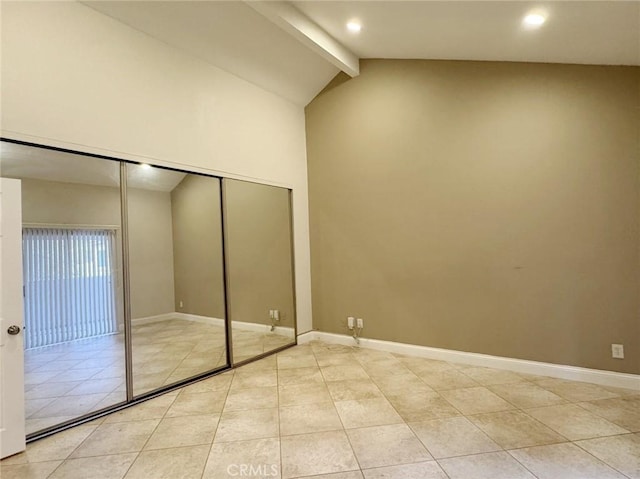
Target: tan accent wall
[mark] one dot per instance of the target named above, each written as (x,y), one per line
(259,252)
(57,203)
(197,246)
(150,253)
(480,206)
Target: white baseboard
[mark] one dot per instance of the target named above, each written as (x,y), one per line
(261,328)
(574,373)
(153,319)
(199,319)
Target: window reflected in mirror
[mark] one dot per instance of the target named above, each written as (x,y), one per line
(72,273)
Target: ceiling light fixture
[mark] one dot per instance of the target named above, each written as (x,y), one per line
(534,19)
(145,166)
(354,26)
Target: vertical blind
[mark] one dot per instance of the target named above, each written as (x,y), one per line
(69,288)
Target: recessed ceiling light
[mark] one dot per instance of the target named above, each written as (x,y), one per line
(534,19)
(354,26)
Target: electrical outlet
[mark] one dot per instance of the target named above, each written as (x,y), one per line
(617,351)
(181,304)
(271,314)
(350,321)
(276,314)
(360,323)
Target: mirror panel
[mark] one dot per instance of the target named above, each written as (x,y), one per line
(176,276)
(75,361)
(259,268)
(73,303)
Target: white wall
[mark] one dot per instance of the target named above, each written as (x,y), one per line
(74,78)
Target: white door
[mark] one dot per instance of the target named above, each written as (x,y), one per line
(12,421)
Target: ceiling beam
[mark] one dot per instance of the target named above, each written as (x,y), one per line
(297,24)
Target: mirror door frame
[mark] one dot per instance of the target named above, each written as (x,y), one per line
(132,400)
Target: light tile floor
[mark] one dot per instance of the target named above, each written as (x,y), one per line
(68,380)
(327,411)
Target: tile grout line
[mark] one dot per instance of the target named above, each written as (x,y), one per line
(217,425)
(523,465)
(148,438)
(370,378)
(597,458)
(344,429)
(279,425)
(405,422)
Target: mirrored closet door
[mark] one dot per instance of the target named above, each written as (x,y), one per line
(260,278)
(176,276)
(74,346)
(138,278)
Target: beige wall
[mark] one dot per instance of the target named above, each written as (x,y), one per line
(259,252)
(150,246)
(150,253)
(480,206)
(197,246)
(56,203)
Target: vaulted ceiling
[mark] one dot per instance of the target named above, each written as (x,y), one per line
(294,49)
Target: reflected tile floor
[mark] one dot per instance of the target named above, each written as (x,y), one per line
(68,380)
(335,412)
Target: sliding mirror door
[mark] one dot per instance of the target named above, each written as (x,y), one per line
(259,268)
(72,274)
(176,276)
(117,253)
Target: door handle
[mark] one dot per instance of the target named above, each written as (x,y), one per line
(13,330)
